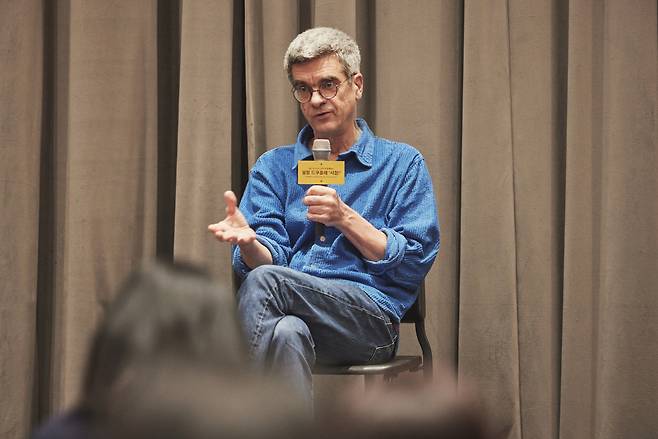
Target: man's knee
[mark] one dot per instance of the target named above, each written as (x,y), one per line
(291,342)
(291,330)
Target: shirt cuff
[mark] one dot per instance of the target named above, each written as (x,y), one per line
(396,244)
(242,269)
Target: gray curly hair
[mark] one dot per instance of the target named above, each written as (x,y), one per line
(320,41)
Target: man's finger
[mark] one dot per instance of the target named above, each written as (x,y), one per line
(231,202)
(316,210)
(225,236)
(311,200)
(221,226)
(319,190)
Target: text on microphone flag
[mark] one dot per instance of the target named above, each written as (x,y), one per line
(321,172)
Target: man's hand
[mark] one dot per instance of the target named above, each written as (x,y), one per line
(325,206)
(234,228)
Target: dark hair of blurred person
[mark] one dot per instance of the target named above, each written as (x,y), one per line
(162,312)
(165,312)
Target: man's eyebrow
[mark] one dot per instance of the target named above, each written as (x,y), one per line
(297,82)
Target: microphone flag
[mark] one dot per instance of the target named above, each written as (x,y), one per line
(322,171)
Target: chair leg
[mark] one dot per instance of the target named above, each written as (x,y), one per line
(370,381)
(428,369)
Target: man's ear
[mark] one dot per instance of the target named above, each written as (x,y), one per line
(358,81)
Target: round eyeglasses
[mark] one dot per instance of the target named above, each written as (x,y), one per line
(328,90)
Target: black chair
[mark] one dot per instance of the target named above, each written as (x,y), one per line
(399,364)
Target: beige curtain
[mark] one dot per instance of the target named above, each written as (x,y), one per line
(122,123)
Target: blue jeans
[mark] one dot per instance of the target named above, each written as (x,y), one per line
(292,319)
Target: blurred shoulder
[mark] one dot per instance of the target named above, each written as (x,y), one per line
(75,424)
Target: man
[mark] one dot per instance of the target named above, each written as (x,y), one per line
(337,300)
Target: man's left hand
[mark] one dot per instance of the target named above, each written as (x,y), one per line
(325,206)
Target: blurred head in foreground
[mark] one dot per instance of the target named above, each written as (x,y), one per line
(163,312)
(169,361)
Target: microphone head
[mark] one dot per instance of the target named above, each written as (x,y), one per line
(321,149)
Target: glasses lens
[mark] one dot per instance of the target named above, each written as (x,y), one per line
(329,89)
(302,94)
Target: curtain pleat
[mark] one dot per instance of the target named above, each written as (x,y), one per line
(582,225)
(628,304)
(21,45)
(123,123)
(488,293)
(611,232)
(538,166)
(272,114)
(104,169)
(206,162)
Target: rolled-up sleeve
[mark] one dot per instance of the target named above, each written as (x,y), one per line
(265,213)
(412,230)
(278,256)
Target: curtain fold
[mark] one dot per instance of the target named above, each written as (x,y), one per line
(272,114)
(488,292)
(206,118)
(104,175)
(122,124)
(582,225)
(628,304)
(537,138)
(611,232)
(21,46)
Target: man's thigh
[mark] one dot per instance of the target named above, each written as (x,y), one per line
(347,326)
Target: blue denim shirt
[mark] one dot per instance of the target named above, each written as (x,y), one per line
(385,182)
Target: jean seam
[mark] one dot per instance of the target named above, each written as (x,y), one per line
(337,299)
(257,332)
(379,348)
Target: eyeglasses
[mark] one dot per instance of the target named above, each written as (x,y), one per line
(328,90)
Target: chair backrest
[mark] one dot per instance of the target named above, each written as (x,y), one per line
(416,315)
(417,311)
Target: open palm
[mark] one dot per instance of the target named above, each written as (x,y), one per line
(234,228)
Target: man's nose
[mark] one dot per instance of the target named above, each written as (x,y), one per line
(316,98)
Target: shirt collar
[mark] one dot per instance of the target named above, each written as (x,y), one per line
(362,149)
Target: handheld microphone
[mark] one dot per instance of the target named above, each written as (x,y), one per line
(321,150)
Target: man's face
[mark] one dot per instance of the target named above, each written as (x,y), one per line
(329,118)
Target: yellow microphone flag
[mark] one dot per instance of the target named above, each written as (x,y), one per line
(321,172)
